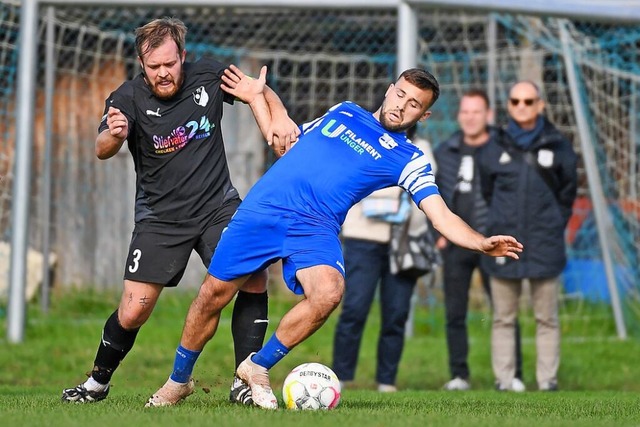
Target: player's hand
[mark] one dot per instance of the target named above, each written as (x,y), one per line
(502,246)
(282,135)
(243,87)
(442,243)
(118,123)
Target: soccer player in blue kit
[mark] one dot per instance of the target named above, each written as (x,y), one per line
(294,213)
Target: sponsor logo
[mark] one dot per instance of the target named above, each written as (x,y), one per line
(504,158)
(326,130)
(181,135)
(154,113)
(349,137)
(314,374)
(105,342)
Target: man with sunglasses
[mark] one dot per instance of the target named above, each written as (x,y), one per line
(530,184)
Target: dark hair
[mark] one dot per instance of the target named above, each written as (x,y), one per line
(424,80)
(480,93)
(155,32)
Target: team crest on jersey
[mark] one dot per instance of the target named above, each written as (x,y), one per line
(387,142)
(545,158)
(201,97)
(504,158)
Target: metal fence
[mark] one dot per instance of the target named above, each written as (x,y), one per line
(316,58)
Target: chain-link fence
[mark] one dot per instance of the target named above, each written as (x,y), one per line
(316,58)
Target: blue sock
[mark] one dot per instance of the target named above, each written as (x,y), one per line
(271,353)
(183,364)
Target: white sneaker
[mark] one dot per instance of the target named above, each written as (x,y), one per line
(387,388)
(258,379)
(171,393)
(518,386)
(457,384)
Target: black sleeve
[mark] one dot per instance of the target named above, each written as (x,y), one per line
(568,181)
(217,69)
(121,98)
(483,163)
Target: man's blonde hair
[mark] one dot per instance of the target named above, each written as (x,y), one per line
(154,33)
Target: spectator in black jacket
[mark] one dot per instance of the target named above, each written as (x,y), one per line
(457,179)
(530,186)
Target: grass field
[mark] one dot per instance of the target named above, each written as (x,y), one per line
(599,374)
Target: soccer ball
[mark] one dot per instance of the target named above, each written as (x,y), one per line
(311,386)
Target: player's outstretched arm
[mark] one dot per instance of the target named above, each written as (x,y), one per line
(278,129)
(284,132)
(454,229)
(110,140)
(251,92)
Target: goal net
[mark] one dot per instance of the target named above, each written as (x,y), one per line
(316,58)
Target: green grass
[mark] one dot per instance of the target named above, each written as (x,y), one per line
(599,374)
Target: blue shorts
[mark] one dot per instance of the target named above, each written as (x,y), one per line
(253,241)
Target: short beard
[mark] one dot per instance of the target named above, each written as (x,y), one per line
(165,96)
(394,128)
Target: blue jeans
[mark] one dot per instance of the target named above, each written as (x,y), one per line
(366,265)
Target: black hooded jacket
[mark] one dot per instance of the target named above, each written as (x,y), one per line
(530,194)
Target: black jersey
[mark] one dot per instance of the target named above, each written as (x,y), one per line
(176,144)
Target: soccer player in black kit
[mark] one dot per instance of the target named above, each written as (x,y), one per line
(170,116)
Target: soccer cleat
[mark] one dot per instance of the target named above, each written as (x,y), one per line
(240,392)
(518,386)
(80,394)
(457,384)
(501,387)
(257,377)
(171,393)
(550,386)
(387,388)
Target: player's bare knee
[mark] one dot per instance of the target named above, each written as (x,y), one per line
(327,296)
(215,294)
(133,317)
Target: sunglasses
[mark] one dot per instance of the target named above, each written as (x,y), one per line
(528,102)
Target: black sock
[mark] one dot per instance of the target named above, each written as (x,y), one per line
(249,323)
(114,346)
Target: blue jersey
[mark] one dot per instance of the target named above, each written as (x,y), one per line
(340,158)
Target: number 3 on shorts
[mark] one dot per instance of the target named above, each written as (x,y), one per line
(137,253)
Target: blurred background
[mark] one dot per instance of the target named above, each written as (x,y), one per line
(81,209)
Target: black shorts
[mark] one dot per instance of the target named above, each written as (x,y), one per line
(159,252)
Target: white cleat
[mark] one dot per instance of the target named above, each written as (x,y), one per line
(257,377)
(457,384)
(518,386)
(171,393)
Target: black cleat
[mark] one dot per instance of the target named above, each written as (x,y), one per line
(79,394)
(240,392)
